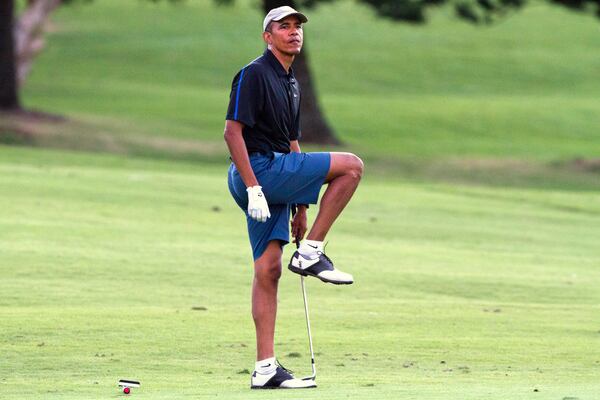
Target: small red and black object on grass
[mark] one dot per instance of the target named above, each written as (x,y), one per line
(126,384)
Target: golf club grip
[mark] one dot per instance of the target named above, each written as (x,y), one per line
(294,211)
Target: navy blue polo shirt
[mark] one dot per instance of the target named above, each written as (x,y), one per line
(266,99)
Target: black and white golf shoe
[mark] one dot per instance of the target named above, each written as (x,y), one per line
(320,266)
(280,378)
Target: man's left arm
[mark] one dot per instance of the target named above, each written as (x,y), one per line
(299,223)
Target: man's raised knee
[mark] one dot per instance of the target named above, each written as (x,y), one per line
(356,167)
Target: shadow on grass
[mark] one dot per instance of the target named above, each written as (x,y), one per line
(574,175)
(47,131)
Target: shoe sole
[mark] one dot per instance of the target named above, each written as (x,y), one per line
(277,387)
(303,272)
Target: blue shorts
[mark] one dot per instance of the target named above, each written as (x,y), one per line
(286,179)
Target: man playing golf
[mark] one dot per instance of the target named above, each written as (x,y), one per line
(269,174)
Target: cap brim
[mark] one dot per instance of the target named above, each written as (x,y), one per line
(301,16)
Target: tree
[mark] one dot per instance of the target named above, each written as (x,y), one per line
(315,128)
(29,37)
(18,52)
(9,99)
(314,125)
(475,11)
(21,39)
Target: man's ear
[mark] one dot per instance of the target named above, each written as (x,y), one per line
(267,37)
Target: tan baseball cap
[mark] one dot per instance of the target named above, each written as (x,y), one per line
(279,13)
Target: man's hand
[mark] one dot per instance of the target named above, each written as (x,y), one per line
(258,209)
(299,224)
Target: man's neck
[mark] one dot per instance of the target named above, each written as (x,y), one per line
(285,60)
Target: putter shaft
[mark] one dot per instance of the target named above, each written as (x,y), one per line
(310,343)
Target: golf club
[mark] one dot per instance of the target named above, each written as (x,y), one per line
(313,376)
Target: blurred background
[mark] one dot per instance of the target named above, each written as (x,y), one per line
(439,89)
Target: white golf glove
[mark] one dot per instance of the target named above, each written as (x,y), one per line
(258,209)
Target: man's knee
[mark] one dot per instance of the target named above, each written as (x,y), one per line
(268,271)
(268,268)
(356,167)
(346,164)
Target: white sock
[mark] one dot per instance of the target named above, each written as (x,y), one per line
(309,248)
(265,366)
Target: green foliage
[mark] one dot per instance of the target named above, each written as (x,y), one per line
(402,10)
(474,11)
(580,5)
(486,11)
(312,3)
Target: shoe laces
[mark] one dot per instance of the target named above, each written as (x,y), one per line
(289,371)
(322,253)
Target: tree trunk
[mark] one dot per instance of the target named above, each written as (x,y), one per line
(315,128)
(29,35)
(9,98)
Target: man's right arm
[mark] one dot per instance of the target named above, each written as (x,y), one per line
(239,153)
(258,209)
(245,101)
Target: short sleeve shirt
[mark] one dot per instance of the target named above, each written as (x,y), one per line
(266,99)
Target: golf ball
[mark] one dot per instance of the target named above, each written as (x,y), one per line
(126,390)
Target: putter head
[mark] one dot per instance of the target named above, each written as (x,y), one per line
(129,384)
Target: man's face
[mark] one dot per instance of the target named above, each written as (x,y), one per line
(285,36)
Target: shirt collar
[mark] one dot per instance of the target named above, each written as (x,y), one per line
(276,64)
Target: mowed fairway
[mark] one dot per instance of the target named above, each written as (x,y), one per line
(119,268)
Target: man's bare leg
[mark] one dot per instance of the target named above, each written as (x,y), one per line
(267,270)
(345,171)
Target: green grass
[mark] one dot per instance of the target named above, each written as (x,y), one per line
(461,292)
